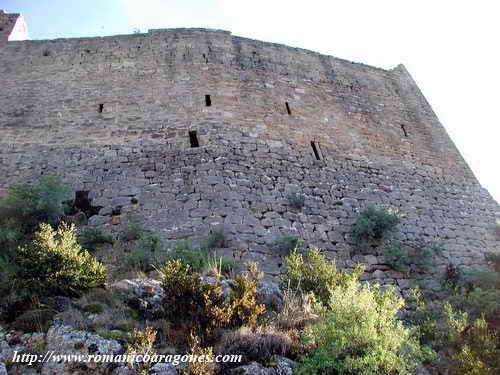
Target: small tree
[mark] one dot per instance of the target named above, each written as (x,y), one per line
(54,263)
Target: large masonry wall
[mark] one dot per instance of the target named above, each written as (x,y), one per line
(153,89)
(378,140)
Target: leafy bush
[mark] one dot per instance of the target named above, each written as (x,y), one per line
(360,334)
(54,263)
(475,347)
(296,200)
(425,318)
(28,205)
(315,274)
(493,260)
(90,237)
(419,253)
(133,230)
(286,244)
(147,252)
(373,224)
(201,259)
(478,302)
(216,240)
(478,292)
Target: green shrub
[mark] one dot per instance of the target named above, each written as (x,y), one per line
(133,229)
(54,263)
(93,308)
(475,349)
(425,318)
(360,334)
(197,258)
(419,253)
(216,240)
(296,200)
(147,252)
(315,274)
(373,224)
(286,244)
(28,205)
(90,237)
(479,292)
(493,260)
(477,302)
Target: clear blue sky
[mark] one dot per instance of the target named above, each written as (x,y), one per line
(450,48)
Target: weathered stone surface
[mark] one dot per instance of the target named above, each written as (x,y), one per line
(252,153)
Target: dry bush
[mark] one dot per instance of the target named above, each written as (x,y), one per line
(37,320)
(206,367)
(201,305)
(141,342)
(296,310)
(259,344)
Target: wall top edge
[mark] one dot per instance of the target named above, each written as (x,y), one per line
(194,31)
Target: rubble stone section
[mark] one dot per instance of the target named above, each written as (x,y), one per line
(113,115)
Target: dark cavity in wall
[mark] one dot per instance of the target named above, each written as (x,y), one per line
(288,108)
(101,108)
(193,139)
(208,100)
(315,147)
(82,203)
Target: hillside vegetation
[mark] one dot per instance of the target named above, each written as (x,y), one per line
(135,292)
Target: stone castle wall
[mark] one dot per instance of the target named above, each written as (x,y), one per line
(113,115)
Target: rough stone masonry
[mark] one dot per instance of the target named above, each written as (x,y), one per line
(198,130)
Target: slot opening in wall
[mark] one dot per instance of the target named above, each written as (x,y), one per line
(101,108)
(288,108)
(315,147)
(208,101)
(193,139)
(404,130)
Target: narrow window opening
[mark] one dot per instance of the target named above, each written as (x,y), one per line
(193,139)
(208,100)
(101,108)
(288,108)
(404,130)
(315,148)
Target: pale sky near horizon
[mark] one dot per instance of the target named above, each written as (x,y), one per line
(449,47)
